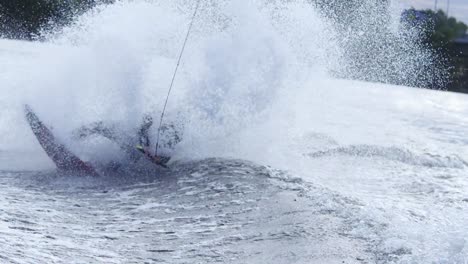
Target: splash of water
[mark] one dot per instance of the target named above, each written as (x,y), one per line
(245,66)
(258,82)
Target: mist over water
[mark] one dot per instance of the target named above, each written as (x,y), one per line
(266,82)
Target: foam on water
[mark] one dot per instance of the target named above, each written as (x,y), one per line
(257,83)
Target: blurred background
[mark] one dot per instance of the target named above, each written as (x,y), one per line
(440,26)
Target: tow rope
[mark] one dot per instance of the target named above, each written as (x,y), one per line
(175,74)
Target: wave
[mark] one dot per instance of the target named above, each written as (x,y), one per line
(394,154)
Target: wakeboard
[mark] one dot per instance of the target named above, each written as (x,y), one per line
(63,158)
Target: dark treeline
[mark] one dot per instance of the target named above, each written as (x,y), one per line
(443,30)
(443,34)
(426,51)
(24,19)
(449,37)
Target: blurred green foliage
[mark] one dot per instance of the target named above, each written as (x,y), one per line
(446,29)
(439,29)
(443,34)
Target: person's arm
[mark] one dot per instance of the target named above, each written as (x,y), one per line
(98,128)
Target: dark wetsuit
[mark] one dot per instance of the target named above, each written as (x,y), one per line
(143,138)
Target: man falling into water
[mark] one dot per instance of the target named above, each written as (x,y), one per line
(133,146)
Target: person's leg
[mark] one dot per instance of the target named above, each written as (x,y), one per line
(143,137)
(145,143)
(125,142)
(171,136)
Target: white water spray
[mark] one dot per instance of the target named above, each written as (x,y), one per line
(259,84)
